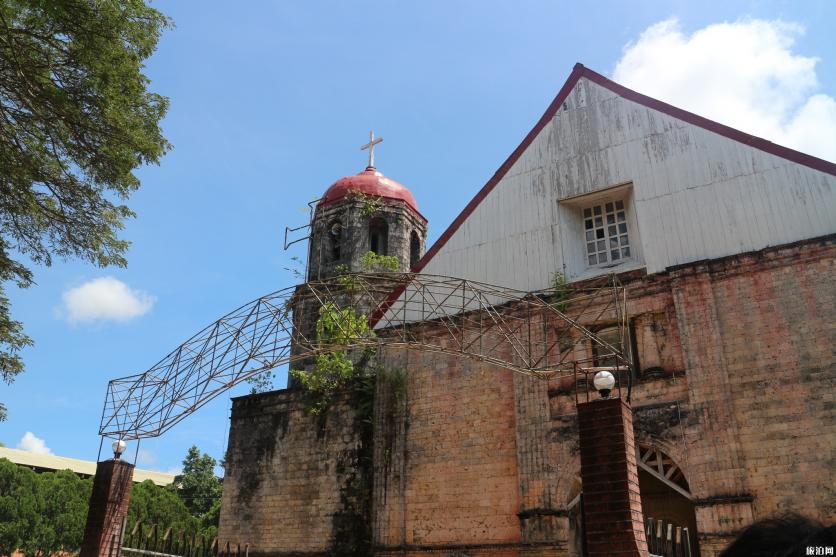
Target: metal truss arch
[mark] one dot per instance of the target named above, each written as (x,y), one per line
(544,334)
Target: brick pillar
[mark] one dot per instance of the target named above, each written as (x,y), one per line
(108,508)
(612,506)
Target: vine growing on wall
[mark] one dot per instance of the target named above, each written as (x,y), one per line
(372,262)
(370,204)
(346,278)
(353,378)
(335,371)
(560,296)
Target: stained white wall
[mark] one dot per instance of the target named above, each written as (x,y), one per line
(697,195)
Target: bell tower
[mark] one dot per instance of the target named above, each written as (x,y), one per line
(364,213)
(366,223)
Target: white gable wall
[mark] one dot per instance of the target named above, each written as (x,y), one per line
(697,195)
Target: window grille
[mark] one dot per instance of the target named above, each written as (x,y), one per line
(605,229)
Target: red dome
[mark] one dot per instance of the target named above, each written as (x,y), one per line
(370,182)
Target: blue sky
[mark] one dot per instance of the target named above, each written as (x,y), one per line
(270,102)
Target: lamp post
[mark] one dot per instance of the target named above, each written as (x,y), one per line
(118,448)
(612,509)
(603,382)
(108,507)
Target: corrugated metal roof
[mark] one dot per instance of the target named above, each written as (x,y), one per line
(578,72)
(83,467)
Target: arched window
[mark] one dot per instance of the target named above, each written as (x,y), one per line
(667,501)
(414,248)
(378,236)
(335,236)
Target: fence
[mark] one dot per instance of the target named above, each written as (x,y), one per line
(665,539)
(151,543)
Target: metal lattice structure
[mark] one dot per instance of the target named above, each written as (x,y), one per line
(546,334)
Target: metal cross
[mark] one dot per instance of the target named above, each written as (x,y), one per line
(370,146)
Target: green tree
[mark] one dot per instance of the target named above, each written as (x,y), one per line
(76,120)
(19,507)
(372,262)
(64,498)
(210,519)
(334,371)
(41,514)
(198,486)
(153,504)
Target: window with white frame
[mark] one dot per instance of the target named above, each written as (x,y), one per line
(605,229)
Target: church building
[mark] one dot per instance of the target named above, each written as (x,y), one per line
(724,243)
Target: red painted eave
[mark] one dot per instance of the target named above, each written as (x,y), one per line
(578,72)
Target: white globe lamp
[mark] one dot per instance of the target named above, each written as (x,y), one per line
(604,381)
(118,448)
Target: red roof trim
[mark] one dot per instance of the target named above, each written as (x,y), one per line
(578,72)
(721,129)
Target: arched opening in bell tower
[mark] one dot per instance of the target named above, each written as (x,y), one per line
(378,236)
(335,231)
(414,248)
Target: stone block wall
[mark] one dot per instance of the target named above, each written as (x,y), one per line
(286,475)
(400,219)
(452,483)
(745,404)
(736,386)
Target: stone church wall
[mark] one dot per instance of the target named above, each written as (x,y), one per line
(761,369)
(736,387)
(399,218)
(450,479)
(286,475)
(744,404)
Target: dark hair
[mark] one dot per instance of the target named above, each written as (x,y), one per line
(784,536)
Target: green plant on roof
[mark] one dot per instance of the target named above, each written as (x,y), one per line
(560,292)
(371,204)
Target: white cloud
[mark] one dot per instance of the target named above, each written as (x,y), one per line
(742,74)
(29,442)
(105,299)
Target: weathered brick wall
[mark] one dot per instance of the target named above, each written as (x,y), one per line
(737,388)
(453,487)
(286,472)
(762,384)
(543,517)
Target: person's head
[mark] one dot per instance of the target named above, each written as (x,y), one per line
(784,536)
